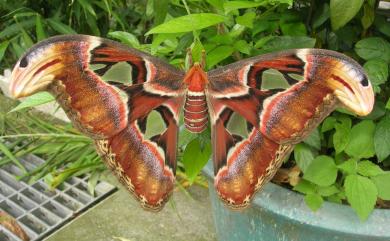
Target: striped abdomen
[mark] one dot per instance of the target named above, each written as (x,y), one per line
(195,112)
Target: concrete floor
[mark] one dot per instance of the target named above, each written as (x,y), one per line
(120,217)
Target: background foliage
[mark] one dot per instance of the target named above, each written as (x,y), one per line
(346,160)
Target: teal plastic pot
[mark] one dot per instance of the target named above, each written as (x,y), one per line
(277,213)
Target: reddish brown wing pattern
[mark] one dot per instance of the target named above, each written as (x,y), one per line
(276,118)
(113,114)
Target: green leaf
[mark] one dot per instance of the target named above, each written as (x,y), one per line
(382,139)
(388,104)
(243,46)
(4,150)
(328,124)
(305,187)
(377,70)
(368,169)
(218,54)
(368,14)
(361,142)
(349,166)
(60,27)
(275,43)
(313,201)
(321,15)
(373,48)
(218,4)
(195,157)
(327,191)
(342,134)
(314,139)
(382,183)
(188,23)
(3,48)
(246,19)
(342,11)
(303,156)
(126,38)
(293,29)
(39,28)
(234,5)
(34,100)
(361,193)
(322,171)
(160,11)
(197,51)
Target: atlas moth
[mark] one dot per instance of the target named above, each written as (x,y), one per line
(115,114)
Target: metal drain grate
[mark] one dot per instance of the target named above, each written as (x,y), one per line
(40,211)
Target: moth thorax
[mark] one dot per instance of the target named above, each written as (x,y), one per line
(195,112)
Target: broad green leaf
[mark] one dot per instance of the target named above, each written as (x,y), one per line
(218,54)
(218,4)
(314,139)
(382,183)
(195,157)
(377,70)
(303,156)
(314,201)
(388,104)
(342,11)
(234,5)
(349,166)
(243,47)
(160,11)
(368,169)
(342,134)
(275,43)
(60,27)
(39,98)
(293,29)
(188,23)
(382,25)
(327,191)
(382,139)
(305,187)
(328,124)
(246,19)
(361,193)
(322,171)
(3,48)
(87,7)
(373,48)
(361,142)
(39,28)
(126,38)
(7,152)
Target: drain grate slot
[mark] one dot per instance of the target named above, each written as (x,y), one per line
(38,209)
